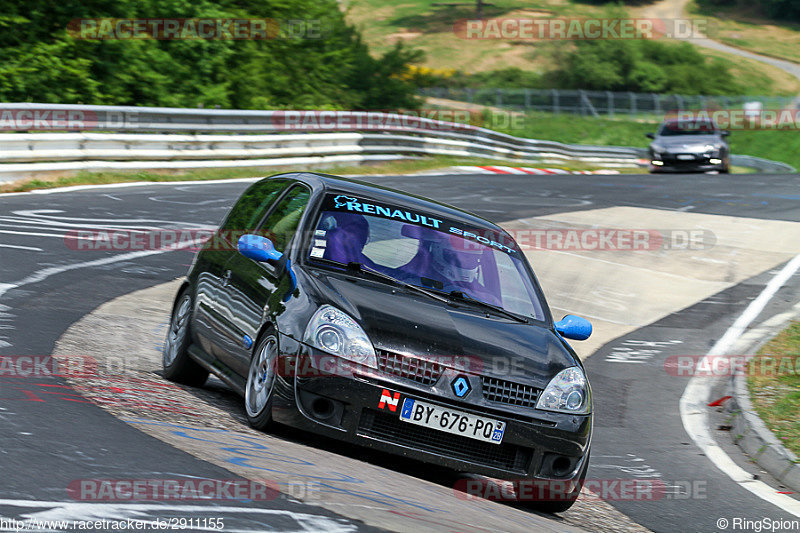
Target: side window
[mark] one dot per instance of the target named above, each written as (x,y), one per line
(253,205)
(281,224)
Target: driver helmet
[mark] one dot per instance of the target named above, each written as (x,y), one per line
(456,259)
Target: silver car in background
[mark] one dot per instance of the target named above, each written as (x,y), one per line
(689,146)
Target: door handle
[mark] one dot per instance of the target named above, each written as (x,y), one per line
(226,277)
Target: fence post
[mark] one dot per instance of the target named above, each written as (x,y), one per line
(657,102)
(702,102)
(556,107)
(581,100)
(610,97)
(499,97)
(527,99)
(633,104)
(470,95)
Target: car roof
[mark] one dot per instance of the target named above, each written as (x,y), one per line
(327,182)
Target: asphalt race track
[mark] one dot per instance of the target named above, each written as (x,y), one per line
(50,436)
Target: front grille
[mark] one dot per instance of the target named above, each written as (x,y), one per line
(672,159)
(509,392)
(389,428)
(413,368)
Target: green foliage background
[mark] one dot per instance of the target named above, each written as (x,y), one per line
(41,62)
(780,10)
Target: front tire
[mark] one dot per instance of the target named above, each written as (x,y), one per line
(178,365)
(561,505)
(261,382)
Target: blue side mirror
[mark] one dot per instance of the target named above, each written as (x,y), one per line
(261,249)
(574,327)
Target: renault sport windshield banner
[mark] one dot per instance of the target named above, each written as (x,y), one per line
(407,215)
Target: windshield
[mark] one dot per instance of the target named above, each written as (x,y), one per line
(687,128)
(427,251)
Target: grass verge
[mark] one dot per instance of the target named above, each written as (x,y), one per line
(428,26)
(390,167)
(774,384)
(776,145)
(743,27)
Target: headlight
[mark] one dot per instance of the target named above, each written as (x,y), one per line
(567,392)
(335,332)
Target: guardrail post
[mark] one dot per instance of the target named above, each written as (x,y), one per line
(633,104)
(527,98)
(610,105)
(657,102)
(498,97)
(556,107)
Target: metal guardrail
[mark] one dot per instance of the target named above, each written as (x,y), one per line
(762,165)
(112,138)
(602,103)
(108,137)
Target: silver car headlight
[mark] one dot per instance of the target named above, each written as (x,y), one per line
(337,333)
(567,392)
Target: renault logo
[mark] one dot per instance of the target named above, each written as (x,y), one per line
(461,386)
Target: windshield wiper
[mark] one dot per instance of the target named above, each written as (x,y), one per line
(358,267)
(464,297)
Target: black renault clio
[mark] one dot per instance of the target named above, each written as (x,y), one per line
(388,320)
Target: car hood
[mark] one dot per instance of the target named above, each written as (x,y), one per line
(686,142)
(401,321)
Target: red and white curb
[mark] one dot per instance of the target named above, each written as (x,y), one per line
(527,170)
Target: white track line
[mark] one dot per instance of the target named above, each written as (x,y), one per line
(45,273)
(34,234)
(74,188)
(14,246)
(693,405)
(144,513)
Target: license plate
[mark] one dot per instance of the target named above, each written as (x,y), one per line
(452,421)
(685,157)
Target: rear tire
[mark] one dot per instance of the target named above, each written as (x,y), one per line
(261,382)
(178,365)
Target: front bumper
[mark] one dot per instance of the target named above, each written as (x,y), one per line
(345,405)
(699,163)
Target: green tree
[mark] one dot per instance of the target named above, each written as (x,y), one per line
(40,60)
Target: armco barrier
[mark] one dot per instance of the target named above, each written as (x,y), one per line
(112,137)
